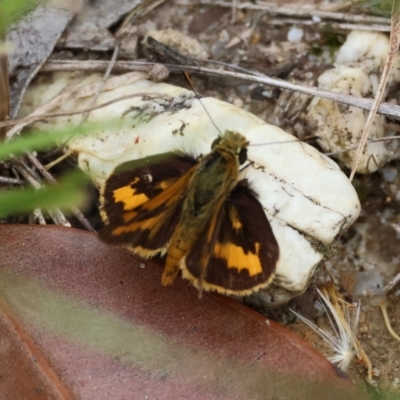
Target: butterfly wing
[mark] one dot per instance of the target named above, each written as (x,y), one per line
(140,202)
(243,249)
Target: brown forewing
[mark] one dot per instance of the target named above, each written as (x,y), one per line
(159,182)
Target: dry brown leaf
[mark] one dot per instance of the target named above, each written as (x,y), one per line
(81,319)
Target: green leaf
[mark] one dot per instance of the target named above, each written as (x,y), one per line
(376,7)
(13,10)
(26,143)
(39,140)
(65,194)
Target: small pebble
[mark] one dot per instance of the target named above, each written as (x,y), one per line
(295,35)
(389,174)
(376,372)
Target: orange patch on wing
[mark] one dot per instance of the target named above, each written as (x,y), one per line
(172,193)
(129,216)
(129,198)
(236,258)
(161,204)
(164,184)
(236,224)
(147,224)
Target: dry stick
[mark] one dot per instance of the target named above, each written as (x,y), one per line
(383,306)
(298,11)
(56,215)
(28,173)
(384,108)
(392,283)
(38,215)
(51,164)
(383,139)
(394,46)
(334,26)
(234,5)
(390,110)
(50,178)
(33,118)
(104,79)
(6,179)
(81,91)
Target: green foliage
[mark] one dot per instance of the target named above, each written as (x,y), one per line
(377,7)
(64,195)
(29,142)
(12,10)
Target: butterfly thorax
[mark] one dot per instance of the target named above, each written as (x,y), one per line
(216,175)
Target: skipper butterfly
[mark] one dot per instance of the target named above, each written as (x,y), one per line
(199,212)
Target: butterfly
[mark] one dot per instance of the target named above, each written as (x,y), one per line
(200,213)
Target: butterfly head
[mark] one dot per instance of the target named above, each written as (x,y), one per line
(232,142)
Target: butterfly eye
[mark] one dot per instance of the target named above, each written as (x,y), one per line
(242,156)
(216,142)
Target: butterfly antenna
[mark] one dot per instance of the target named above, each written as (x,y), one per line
(172,56)
(189,82)
(306,139)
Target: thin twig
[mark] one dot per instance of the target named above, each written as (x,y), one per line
(390,110)
(38,215)
(50,178)
(394,46)
(382,139)
(33,118)
(6,179)
(67,154)
(234,4)
(83,220)
(103,80)
(334,26)
(392,283)
(383,307)
(56,214)
(80,91)
(298,11)
(28,173)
